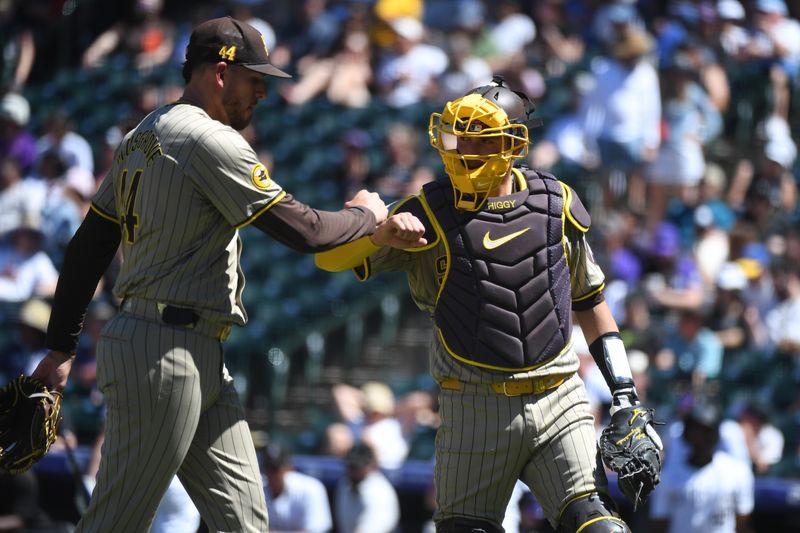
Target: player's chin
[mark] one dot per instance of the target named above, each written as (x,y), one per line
(241,120)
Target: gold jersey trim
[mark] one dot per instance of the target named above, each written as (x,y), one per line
(598,519)
(362,271)
(522,183)
(470,362)
(263,210)
(587,296)
(439,233)
(567,205)
(567,215)
(103,214)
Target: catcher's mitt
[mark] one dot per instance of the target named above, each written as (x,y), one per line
(630,446)
(29,416)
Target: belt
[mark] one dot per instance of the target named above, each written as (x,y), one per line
(173,315)
(517,387)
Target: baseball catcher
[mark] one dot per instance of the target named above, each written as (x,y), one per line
(29,416)
(501,265)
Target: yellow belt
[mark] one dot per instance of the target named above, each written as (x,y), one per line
(517,387)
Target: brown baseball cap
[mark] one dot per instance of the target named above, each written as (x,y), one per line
(233,41)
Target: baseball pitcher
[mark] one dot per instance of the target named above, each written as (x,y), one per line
(182,184)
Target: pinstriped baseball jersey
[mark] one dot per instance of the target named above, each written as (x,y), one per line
(180,187)
(487,440)
(183,175)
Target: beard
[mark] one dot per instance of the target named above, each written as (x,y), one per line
(239,116)
(240,119)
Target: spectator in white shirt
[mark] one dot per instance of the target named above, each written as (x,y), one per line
(465,71)
(21,200)
(777,40)
(622,113)
(512,33)
(564,141)
(732,36)
(366,502)
(764,441)
(609,16)
(25,270)
(382,429)
(409,75)
(296,502)
(691,122)
(730,435)
(369,414)
(246,10)
(707,492)
(176,513)
(783,321)
(72,148)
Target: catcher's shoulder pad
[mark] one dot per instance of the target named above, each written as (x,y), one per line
(574,211)
(415,206)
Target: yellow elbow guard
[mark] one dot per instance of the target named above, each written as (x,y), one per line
(346,256)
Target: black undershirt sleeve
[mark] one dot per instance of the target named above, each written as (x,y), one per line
(87,257)
(308,230)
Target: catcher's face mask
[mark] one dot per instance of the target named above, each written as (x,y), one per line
(478,144)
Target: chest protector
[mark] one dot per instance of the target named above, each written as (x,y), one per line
(505,300)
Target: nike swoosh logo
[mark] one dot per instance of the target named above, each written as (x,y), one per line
(491,244)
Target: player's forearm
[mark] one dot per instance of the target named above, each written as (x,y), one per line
(596,321)
(88,255)
(607,349)
(308,230)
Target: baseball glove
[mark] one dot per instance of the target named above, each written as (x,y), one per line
(29,417)
(630,446)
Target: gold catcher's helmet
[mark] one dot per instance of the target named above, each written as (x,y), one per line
(488,112)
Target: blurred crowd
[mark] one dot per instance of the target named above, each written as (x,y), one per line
(676,122)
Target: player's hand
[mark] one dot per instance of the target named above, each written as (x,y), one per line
(53,371)
(401,230)
(372,201)
(631,447)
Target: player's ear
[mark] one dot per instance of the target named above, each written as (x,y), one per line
(221,69)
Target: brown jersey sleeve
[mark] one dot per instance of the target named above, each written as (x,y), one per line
(307,230)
